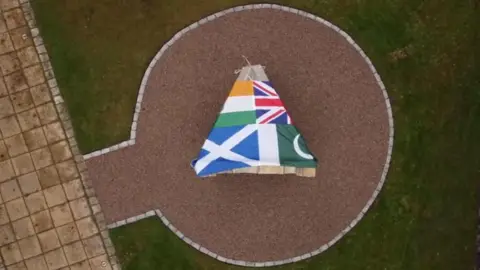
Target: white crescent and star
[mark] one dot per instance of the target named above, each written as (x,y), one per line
(298,150)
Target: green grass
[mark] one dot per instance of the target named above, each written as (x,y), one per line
(424,218)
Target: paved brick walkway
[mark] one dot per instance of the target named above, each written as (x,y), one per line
(47,221)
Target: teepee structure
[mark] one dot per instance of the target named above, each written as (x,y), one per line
(254,133)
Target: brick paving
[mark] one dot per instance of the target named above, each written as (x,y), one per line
(46,216)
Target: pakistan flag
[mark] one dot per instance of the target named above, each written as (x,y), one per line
(292,149)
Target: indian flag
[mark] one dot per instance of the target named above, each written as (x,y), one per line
(239,108)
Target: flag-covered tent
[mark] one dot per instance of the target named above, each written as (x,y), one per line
(254,133)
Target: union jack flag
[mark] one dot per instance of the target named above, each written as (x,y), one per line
(269,108)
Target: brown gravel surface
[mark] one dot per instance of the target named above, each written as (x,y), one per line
(333,99)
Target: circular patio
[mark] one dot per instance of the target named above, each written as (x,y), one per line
(334,100)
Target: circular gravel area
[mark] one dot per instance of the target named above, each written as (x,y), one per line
(333,98)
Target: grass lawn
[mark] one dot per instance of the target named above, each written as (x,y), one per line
(428,55)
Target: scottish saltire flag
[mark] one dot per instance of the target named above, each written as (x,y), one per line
(252,129)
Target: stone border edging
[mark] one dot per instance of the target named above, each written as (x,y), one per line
(99,217)
(133,134)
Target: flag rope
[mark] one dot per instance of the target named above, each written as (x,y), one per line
(249,68)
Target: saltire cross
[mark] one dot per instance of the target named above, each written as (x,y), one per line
(268,105)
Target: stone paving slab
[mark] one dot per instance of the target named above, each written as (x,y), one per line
(46,202)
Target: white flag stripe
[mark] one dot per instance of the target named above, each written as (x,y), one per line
(227,144)
(239,136)
(239,104)
(204,161)
(225,153)
(268,144)
(269,107)
(266,97)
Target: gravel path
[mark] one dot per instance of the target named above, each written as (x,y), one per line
(333,98)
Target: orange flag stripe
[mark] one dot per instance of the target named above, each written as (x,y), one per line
(242,88)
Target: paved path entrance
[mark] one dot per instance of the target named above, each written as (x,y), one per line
(46,218)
